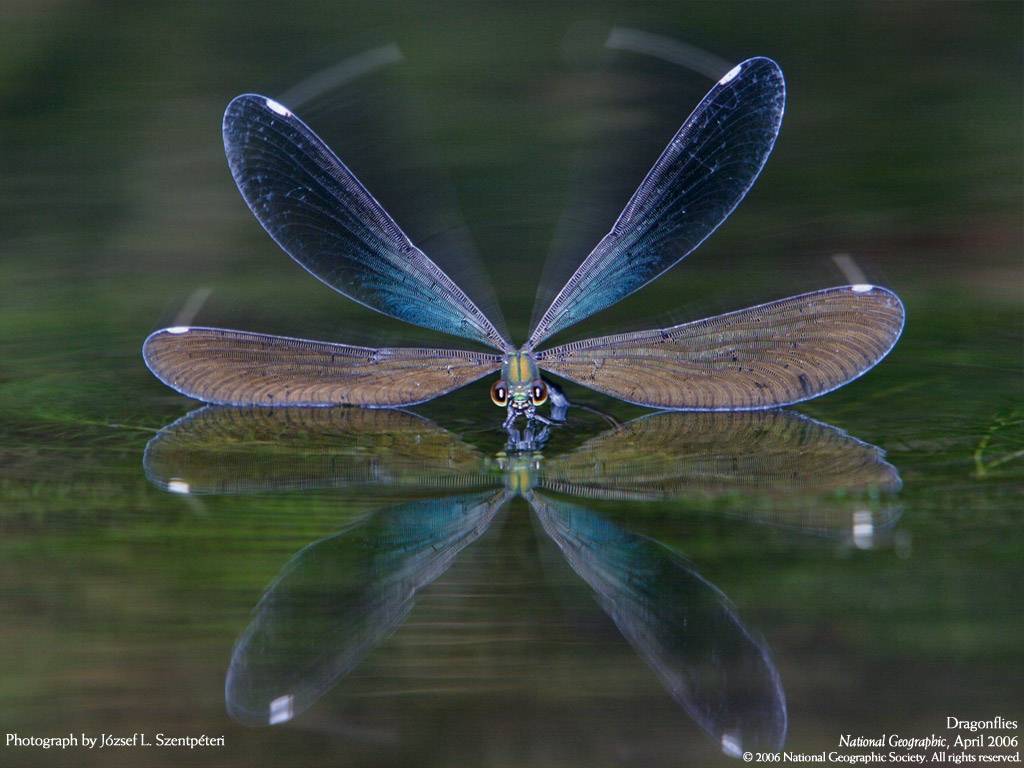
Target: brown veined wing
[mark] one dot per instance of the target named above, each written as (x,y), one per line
(766,356)
(241,368)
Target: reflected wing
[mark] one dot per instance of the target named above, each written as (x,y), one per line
(700,178)
(675,453)
(324,218)
(766,356)
(681,625)
(790,471)
(340,597)
(239,368)
(227,450)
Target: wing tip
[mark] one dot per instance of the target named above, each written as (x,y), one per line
(766,61)
(769,68)
(248,104)
(874,291)
(867,290)
(246,101)
(766,65)
(880,291)
(151,358)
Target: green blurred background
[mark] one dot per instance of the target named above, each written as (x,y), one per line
(503,137)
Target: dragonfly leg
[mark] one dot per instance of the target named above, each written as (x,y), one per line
(526,441)
(559,402)
(541,438)
(560,406)
(556,394)
(537,417)
(510,419)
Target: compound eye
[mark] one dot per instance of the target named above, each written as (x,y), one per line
(538,393)
(499,394)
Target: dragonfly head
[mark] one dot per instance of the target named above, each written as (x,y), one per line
(520,388)
(519,398)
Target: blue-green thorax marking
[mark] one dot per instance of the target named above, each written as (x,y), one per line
(519,371)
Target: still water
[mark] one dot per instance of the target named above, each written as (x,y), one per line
(394,588)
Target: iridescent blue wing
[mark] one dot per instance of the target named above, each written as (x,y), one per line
(340,597)
(702,175)
(325,219)
(680,624)
(227,367)
(766,356)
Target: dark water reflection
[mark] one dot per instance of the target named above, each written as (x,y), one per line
(339,597)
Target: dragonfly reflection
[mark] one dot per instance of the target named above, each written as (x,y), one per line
(339,597)
(311,204)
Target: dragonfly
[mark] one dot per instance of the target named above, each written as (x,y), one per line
(767,356)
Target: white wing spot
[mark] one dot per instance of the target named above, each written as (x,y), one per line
(179,329)
(862,287)
(281,709)
(279,108)
(731,745)
(178,486)
(730,75)
(863,530)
